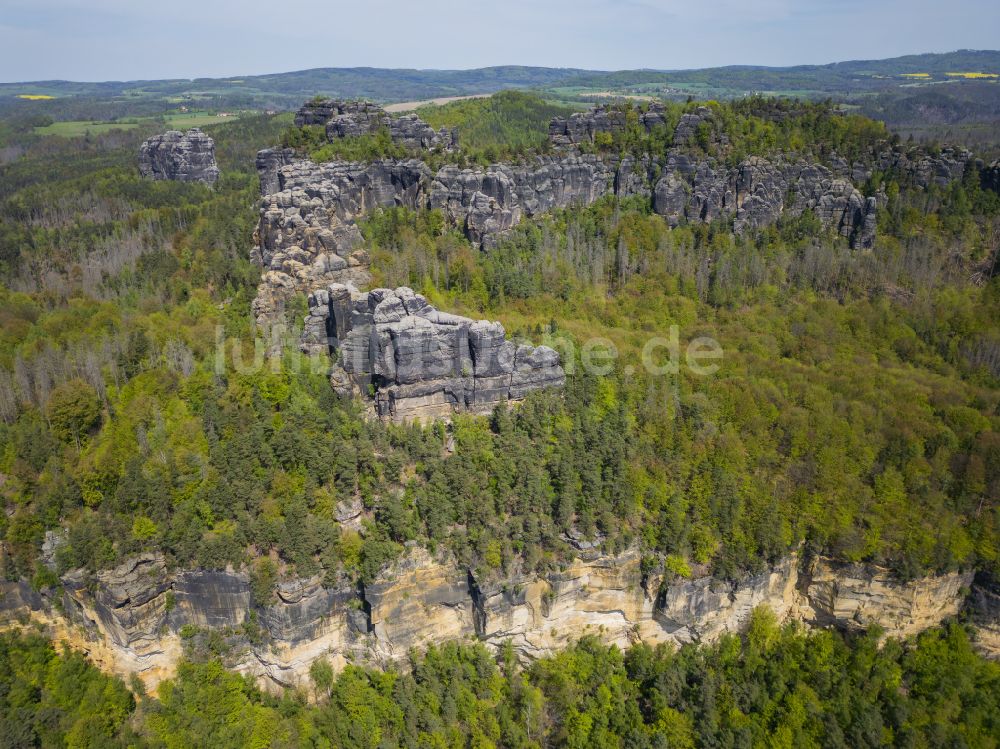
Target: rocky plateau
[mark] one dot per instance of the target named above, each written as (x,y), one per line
(307,235)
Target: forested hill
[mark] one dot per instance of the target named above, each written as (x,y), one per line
(854,418)
(386,84)
(856,412)
(289,89)
(773,687)
(833,78)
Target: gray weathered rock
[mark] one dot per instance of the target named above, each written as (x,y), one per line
(758,192)
(990,177)
(347,119)
(422,363)
(185,157)
(687,128)
(269,162)
(307,237)
(581,127)
(131,617)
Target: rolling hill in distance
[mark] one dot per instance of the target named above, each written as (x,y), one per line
(953,95)
(838,78)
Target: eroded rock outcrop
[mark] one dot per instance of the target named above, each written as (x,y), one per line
(185,157)
(581,127)
(347,119)
(856,596)
(983,607)
(417,362)
(990,177)
(307,235)
(130,618)
(759,191)
(312,207)
(309,210)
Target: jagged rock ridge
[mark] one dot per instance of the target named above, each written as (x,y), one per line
(307,232)
(185,157)
(312,208)
(420,363)
(134,614)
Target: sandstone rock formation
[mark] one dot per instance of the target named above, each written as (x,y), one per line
(687,128)
(307,228)
(991,177)
(312,207)
(420,363)
(185,157)
(983,607)
(131,617)
(581,127)
(307,235)
(856,596)
(346,119)
(758,192)
(268,162)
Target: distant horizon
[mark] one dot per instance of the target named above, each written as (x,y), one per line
(488,67)
(120,40)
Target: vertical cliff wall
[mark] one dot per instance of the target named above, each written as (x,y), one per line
(420,363)
(132,618)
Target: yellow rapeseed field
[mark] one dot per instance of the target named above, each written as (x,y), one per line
(35,97)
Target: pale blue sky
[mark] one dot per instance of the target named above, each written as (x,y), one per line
(132,39)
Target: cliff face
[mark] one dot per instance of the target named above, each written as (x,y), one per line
(185,157)
(307,234)
(420,363)
(581,127)
(307,238)
(991,177)
(131,617)
(983,607)
(758,192)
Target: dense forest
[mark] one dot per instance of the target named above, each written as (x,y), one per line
(855,411)
(777,687)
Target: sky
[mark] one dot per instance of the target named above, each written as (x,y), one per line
(97,40)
